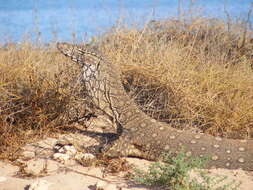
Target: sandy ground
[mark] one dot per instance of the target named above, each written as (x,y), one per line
(47,167)
(82,178)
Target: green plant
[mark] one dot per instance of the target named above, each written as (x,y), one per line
(174,173)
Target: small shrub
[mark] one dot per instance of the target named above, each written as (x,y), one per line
(174,173)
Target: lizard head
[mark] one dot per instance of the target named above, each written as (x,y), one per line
(79,53)
(88,59)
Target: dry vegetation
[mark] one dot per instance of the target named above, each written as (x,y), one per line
(198,74)
(205,70)
(35,91)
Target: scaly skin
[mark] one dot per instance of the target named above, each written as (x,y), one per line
(141,135)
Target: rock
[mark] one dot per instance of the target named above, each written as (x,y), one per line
(47,143)
(29,147)
(35,167)
(85,159)
(27,155)
(63,158)
(70,150)
(65,149)
(84,156)
(41,149)
(64,153)
(51,166)
(39,185)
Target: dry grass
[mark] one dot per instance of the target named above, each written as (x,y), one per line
(198,73)
(35,93)
(205,69)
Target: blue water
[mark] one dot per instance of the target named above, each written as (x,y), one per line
(61,19)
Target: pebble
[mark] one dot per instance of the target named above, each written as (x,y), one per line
(35,167)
